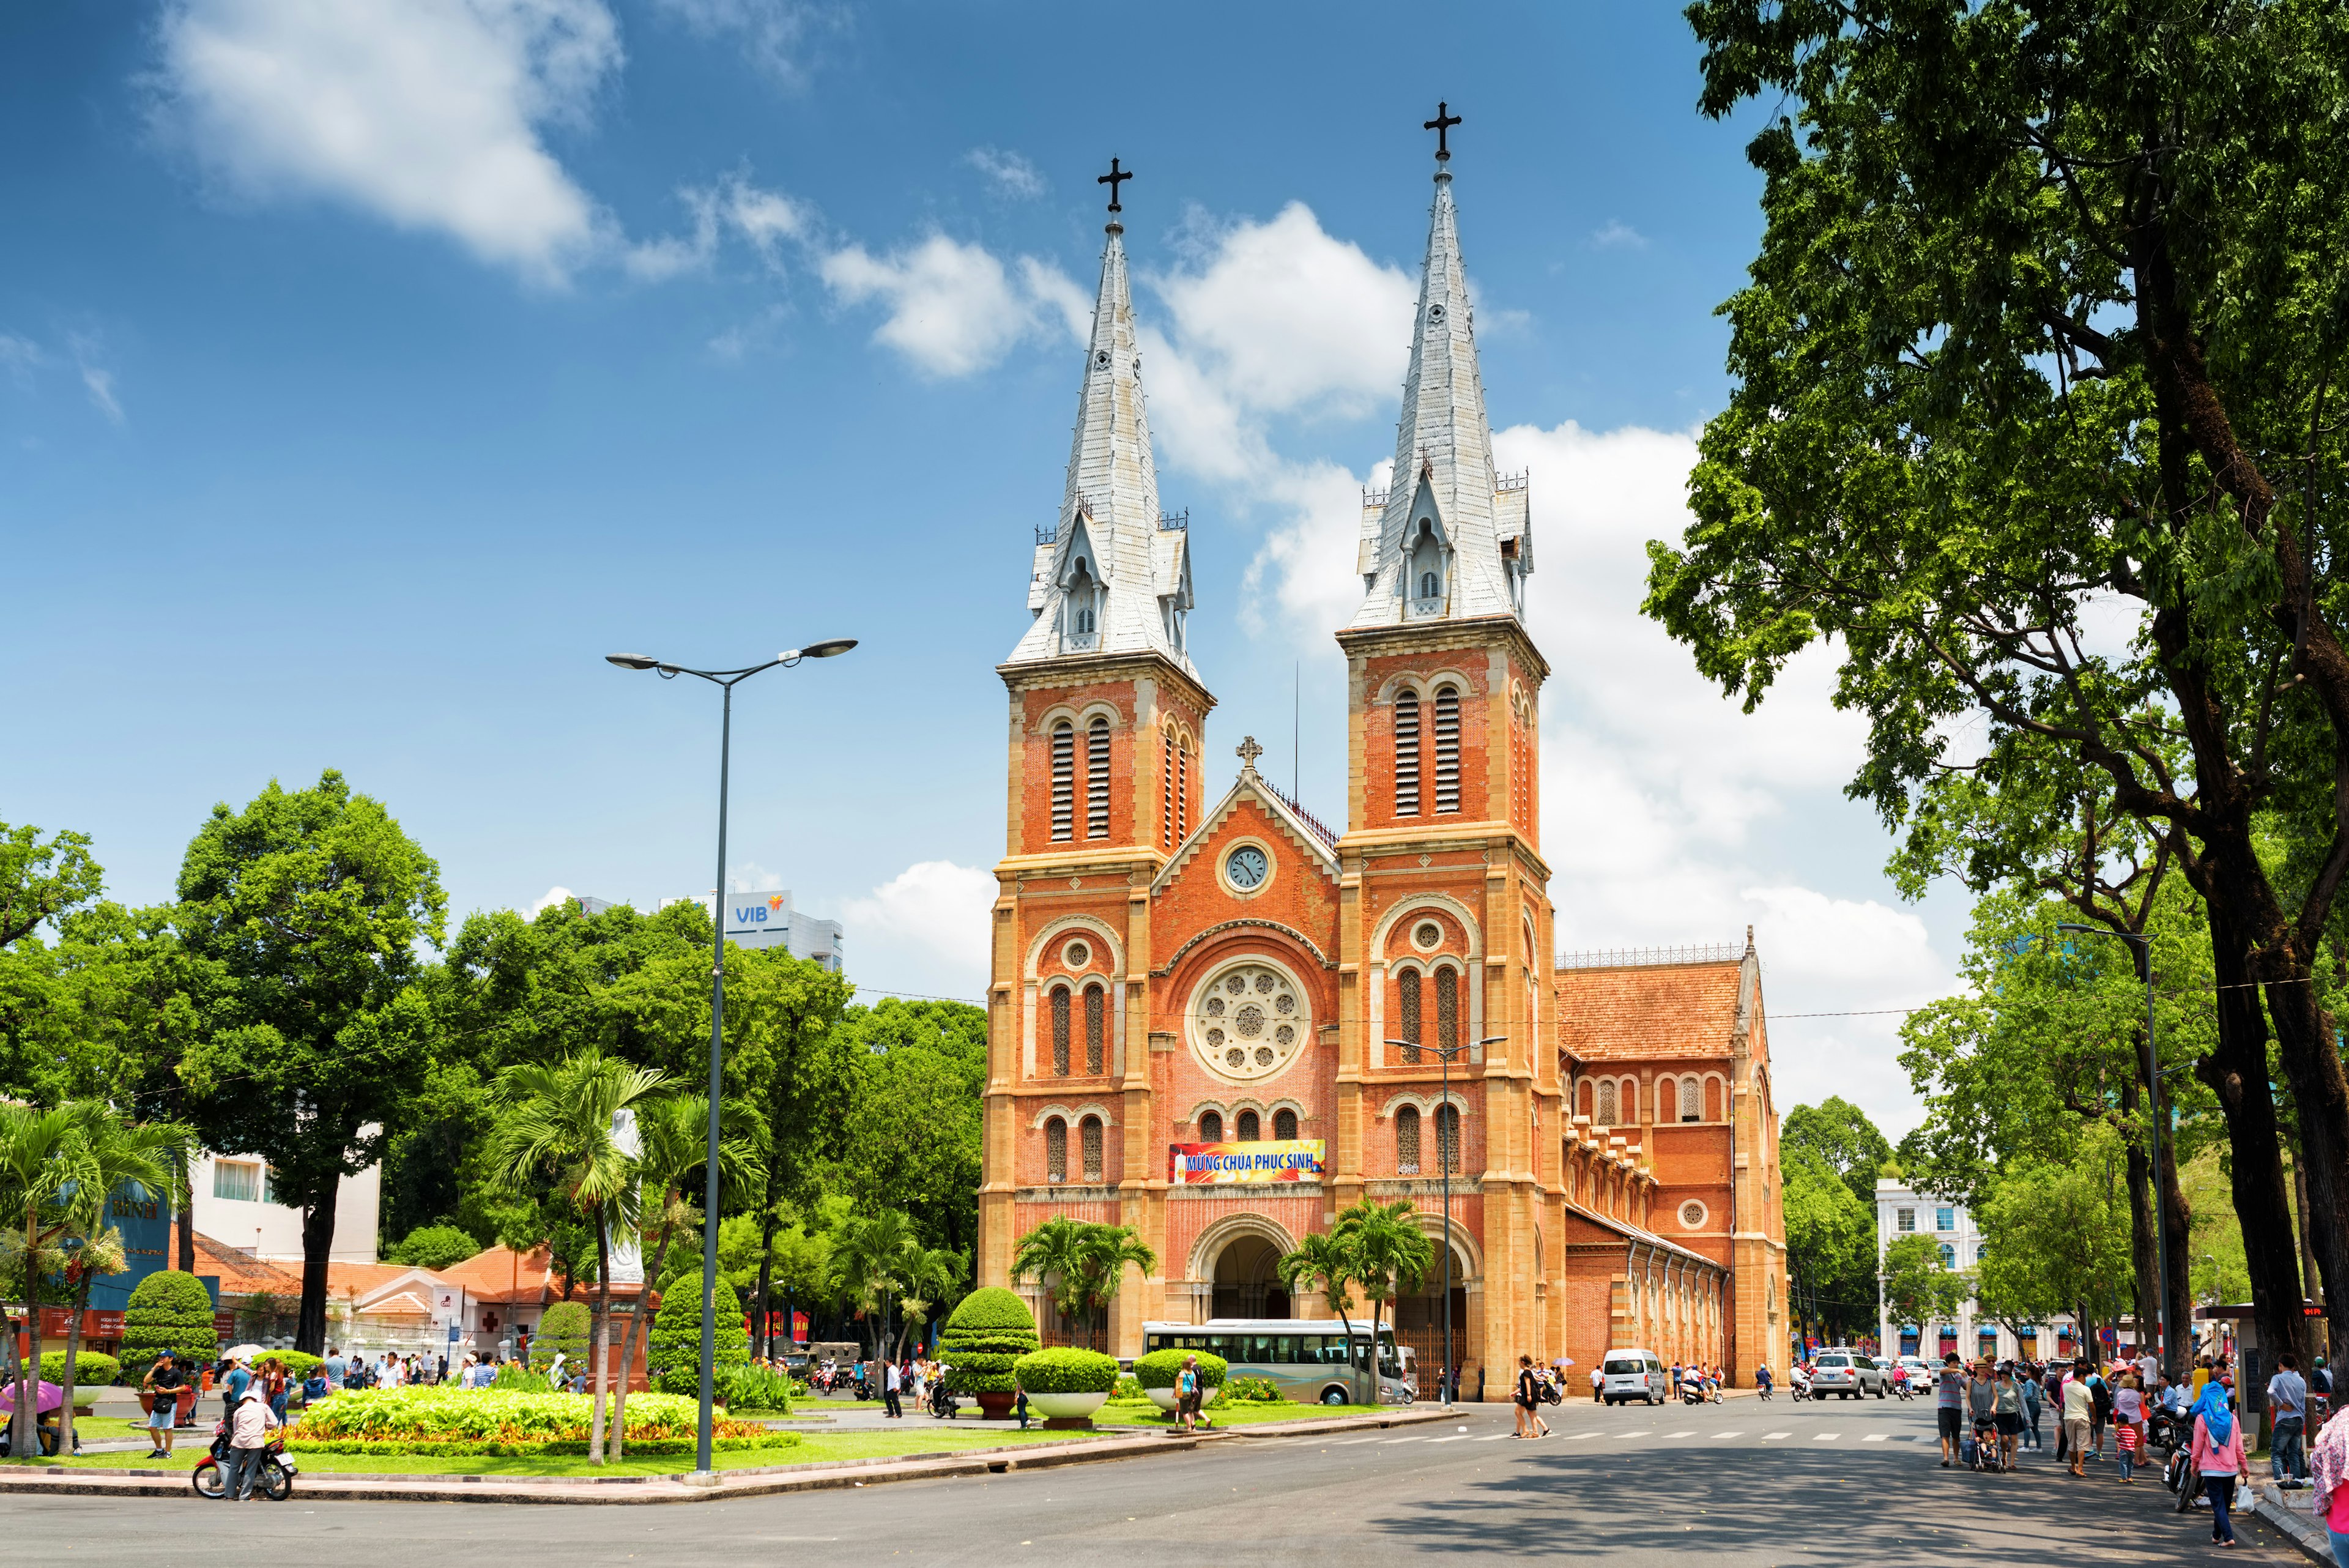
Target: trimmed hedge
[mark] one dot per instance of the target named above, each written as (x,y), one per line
(431,1420)
(168,1310)
(1066,1370)
(91,1370)
(636,1447)
(752,1388)
(984,1341)
(673,1355)
(565,1327)
(1157,1369)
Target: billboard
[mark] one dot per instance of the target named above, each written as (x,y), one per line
(1243,1164)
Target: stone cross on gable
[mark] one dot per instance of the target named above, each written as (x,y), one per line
(1248,750)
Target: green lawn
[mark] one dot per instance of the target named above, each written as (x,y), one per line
(817,1448)
(1238,1414)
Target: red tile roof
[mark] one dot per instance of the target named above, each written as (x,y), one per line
(1648,1010)
(501,1274)
(241,1274)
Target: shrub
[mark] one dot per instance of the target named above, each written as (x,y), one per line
(298,1363)
(673,1356)
(91,1370)
(513,1375)
(563,1327)
(433,1247)
(1251,1391)
(451,1420)
(753,1388)
(1157,1369)
(984,1339)
(1066,1370)
(168,1310)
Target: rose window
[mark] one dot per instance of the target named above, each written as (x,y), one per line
(1248,1021)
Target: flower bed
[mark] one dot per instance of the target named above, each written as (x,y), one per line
(462,1422)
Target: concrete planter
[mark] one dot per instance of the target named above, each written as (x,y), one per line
(1162,1397)
(1066,1406)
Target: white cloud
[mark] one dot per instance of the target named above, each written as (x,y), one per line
(1615,234)
(749,877)
(770,31)
(762,219)
(550,897)
(99,384)
(20,356)
(953,308)
(925,930)
(427,113)
(1010,175)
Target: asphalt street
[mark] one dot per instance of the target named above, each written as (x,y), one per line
(1741,1483)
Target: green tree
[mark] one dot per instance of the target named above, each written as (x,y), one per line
(673,1357)
(313,904)
(1053,1256)
(2056,1236)
(43,1156)
(119,1162)
(1830,1239)
(434,1247)
(1918,1286)
(879,1263)
(1840,1135)
(1320,1261)
(2046,319)
(42,883)
(1391,1255)
(562,1127)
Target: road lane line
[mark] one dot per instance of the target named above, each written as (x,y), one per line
(1498,1436)
(1825,1436)
(1717,1435)
(1392,1441)
(1773,1436)
(1462,1438)
(1875,1436)
(1679,1434)
(1580,1437)
(1350,1442)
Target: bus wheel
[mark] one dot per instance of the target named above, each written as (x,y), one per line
(1333,1396)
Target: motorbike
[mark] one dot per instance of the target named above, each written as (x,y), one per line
(1900,1387)
(276,1481)
(1692,1392)
(1762,1389)
(1802,1389)
(943,1404)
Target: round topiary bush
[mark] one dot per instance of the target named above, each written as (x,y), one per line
(985,1339)
(1066,1370)
(1157,1369)
(673,1356)
(91,1370)
(168,1310)
(563,1329)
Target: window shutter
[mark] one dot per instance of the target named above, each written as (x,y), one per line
(1447,1137)
(1408,984)
(1096,1056)
(1447,1010)
(1091,1138)
(1250,1129)
(1064,781)
(1407,745)
(1211,1127)
(1056,1150)
(1407,1141)
(1447,749)
(1284,1126)
(1097,780)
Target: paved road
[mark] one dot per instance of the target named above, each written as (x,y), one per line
(1742,1484)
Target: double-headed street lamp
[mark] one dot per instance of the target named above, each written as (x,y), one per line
(726,681)
(1443,1054)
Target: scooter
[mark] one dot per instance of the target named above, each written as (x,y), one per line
(942,1403)
(1762,1389)
(1691,1392)
(209,1477)
(1900,1387)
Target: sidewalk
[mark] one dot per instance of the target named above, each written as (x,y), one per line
(2293,1512)
(61,1480)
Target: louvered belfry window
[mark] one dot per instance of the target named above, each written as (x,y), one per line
(1064,781)
(1182,790)
(1407,985)
(1095,1047)
(1447,749)
(1406,733)
(1447,1010)
(1407,1141)
(1167,790)
(1097,779)
(1061,1033)
(1056,1150)
(1090,1132)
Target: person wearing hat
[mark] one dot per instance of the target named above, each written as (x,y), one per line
(164,1380)
(249,1426)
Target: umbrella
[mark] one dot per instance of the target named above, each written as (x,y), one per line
(49,1398)
(242,1352)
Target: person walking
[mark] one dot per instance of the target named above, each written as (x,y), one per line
(2035,1402)
(2128,1424)
(249,1429)
(1950,1407)
(1598,1382)
(1527,1398)
(163,1380)
(2328,1471)
(2288,1406)
(1187,1394)
(336,1364)
(896,1412)
(2079,1410)
(2217,1457)
(276,1385)
(2006,1413)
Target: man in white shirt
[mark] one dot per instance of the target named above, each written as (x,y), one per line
(889,1392)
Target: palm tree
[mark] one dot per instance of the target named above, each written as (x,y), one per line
(1054,1254)
(933,1277)
(139,1161)
(44,1155)
(1107,1250)
(559,1125)
(672,1140)
(1321,1262)
(873,1258)
(1391,1255)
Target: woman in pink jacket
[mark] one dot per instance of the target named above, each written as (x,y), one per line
(2217,1457)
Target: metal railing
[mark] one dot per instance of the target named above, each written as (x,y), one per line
(1173,522)
(1321,829)
(1653,957)
(1509,482)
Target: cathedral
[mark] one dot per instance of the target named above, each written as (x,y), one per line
(1218,1021)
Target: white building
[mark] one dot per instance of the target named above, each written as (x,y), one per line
(235,1205)
(767,920)
(1902,1211)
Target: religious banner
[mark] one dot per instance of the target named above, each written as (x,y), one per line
(1222,1164)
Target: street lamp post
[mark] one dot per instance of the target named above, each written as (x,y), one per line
(2141,949)
(725,680)
(1443,1054)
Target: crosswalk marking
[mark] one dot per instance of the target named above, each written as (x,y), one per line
(1679,1434)
(1498,1436)
(1825,1436)
(1350,1442)
(1717,1435)
(1773,1436)
(1579,1437)
(1392,1441)
(1875,1436)
(1458,1440)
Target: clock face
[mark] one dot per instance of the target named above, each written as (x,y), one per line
(1246,866)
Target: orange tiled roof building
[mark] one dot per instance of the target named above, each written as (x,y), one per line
(1170,969)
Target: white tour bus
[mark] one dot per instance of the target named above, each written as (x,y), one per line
(1307,1358)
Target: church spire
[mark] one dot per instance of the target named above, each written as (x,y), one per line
(1111,576)
(1449,539)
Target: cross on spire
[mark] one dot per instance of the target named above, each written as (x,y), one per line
(1248,750)
(1115,177)
(1442,125)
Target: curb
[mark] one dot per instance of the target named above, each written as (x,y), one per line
(2296,1524)
(1008,1459)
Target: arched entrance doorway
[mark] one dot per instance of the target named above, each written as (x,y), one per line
(1419,1323)
(1247,1281)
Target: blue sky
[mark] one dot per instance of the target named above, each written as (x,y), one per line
(368,371)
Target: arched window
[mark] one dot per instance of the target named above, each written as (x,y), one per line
(1447,1011)
(1407,985)
(1250,1129)
(1089,1132)
(1667,1101)
(1447,749)
(1407,1141)
(1426,567)
(1064,781)
(1096,1055)
(1082,593)
(1182,789)
(1211,1127)
(1607,1113)
(1061,1032)
(1981,1253)
(1427,586)
(1691,1098)
(1097,779)
(1284,1126)
(1447,1138)
(1949,1256)
(1166,789)
(1406,762)
(1056,1150)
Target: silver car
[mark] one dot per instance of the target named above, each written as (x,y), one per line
(1846,1373)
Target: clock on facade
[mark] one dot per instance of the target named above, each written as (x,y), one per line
(1245,867)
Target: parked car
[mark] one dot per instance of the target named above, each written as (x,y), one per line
(1634,1374)
(1846,1373)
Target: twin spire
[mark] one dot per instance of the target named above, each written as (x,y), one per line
(1448,540)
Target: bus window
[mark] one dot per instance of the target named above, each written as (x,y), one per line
(1155,1341)
(1284,1350)
(1259,1348)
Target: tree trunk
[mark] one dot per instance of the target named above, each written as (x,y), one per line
(72,1349)
(767,1268)
(2309,1284)
(601,1338)
(2312,1063)
(2146,1288)
(2177,1232)
(183,1223)
(27,1438)
(637,1328)
(317,1251)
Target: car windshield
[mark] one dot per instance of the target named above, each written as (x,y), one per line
(1626,1364)
(1833,1361)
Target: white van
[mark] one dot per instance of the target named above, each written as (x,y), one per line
(1633,1374)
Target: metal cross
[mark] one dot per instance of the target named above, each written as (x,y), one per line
(1441,124)
(1248,750)
(1115,176)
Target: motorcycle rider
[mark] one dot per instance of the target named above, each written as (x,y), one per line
(1762,1378)
(248,1442)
